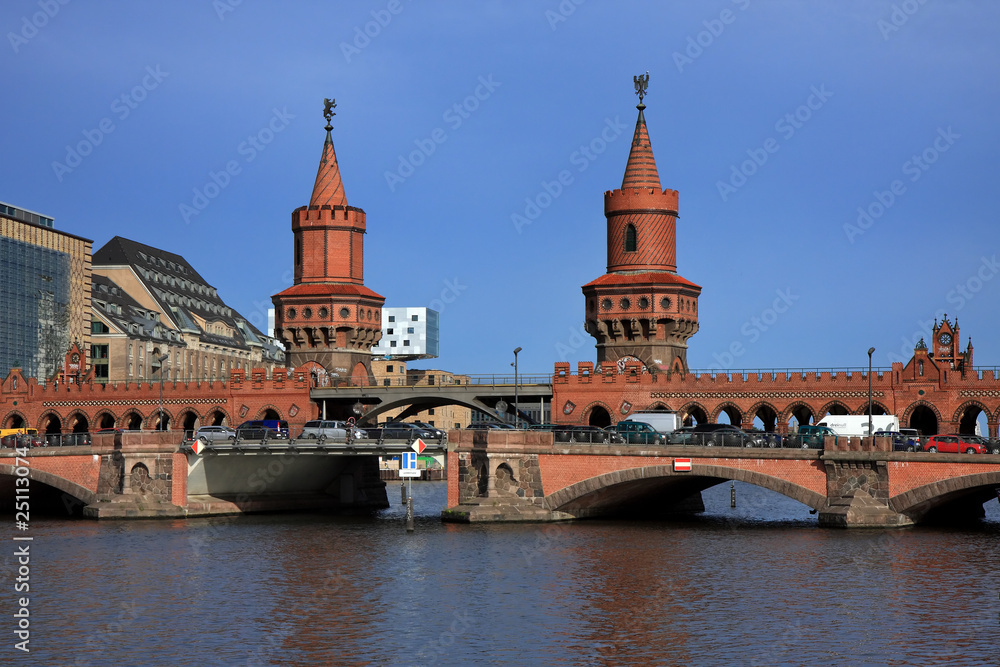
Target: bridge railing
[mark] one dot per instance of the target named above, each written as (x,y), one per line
(441,382)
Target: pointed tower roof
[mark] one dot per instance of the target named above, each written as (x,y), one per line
(329,188)
(640,172)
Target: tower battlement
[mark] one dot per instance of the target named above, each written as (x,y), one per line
(326,215)
(633,199)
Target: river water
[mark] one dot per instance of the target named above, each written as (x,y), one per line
(757,585)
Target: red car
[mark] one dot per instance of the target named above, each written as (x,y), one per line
(954,444)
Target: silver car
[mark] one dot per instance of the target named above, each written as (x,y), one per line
(215,434)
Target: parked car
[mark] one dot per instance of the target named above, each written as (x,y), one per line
(320,429)
(759,438)
(591,434)
(20,440)
(639,433)
(900,442)
(215,434)
(438,433)
(716,435)
(810,436)
(681,436)
(953,444)
(399,431)
(258,430)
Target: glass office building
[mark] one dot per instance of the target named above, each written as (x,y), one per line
(35,308)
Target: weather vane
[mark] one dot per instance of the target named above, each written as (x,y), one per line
(641,83)
(328,111)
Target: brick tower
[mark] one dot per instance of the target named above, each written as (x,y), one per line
(641,308)
(328,316)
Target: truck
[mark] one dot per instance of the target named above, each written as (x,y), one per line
(857,425)
(663,422)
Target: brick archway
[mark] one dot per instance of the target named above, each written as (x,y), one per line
(876,406)
(959,416)
(694,411)
(754,413)
(797,410)
(733,411)
(14,419)
(104,419)
(588,413)
(75,490)
(640,477)
(905,418)
(829,408)
(917,502)
(264,411)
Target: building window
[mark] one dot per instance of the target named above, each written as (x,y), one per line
(409,330)
(392,318)
(388,332)
(392,343)
(406,343)
(430,380)
(415,318)
(920,368)
(388,369)
(630,238)
(386,382)
(98,327)
(431,412)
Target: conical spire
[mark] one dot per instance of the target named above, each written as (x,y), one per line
(329,188)
(640,172)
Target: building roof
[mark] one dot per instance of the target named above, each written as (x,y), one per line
(640,171)
(642,278)
(185,298)
(329,188)
(114,305)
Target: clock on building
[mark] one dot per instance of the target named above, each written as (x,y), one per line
(945,338)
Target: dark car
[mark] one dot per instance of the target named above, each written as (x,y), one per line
(437,433)
(810,436)
(399,431)
(718,435)
(259,430)
(591,434)
(759,438)
(900,441)
(639,433)
(681,436)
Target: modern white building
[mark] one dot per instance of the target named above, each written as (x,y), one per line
(409,333)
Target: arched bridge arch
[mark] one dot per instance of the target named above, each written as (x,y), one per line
(976,488)
(76,491)
(608,491)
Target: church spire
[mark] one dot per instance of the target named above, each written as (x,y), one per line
(640,171)
(329,188)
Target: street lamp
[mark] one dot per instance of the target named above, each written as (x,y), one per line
(161,360)
(516,420)
(871,351)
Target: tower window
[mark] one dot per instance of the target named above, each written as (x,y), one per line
(630,238)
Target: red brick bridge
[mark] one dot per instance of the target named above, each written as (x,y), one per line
(525,476)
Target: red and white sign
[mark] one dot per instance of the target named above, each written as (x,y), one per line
(682,465)
(418,446)
(197,446)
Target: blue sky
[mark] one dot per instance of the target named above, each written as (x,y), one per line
(163,95)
